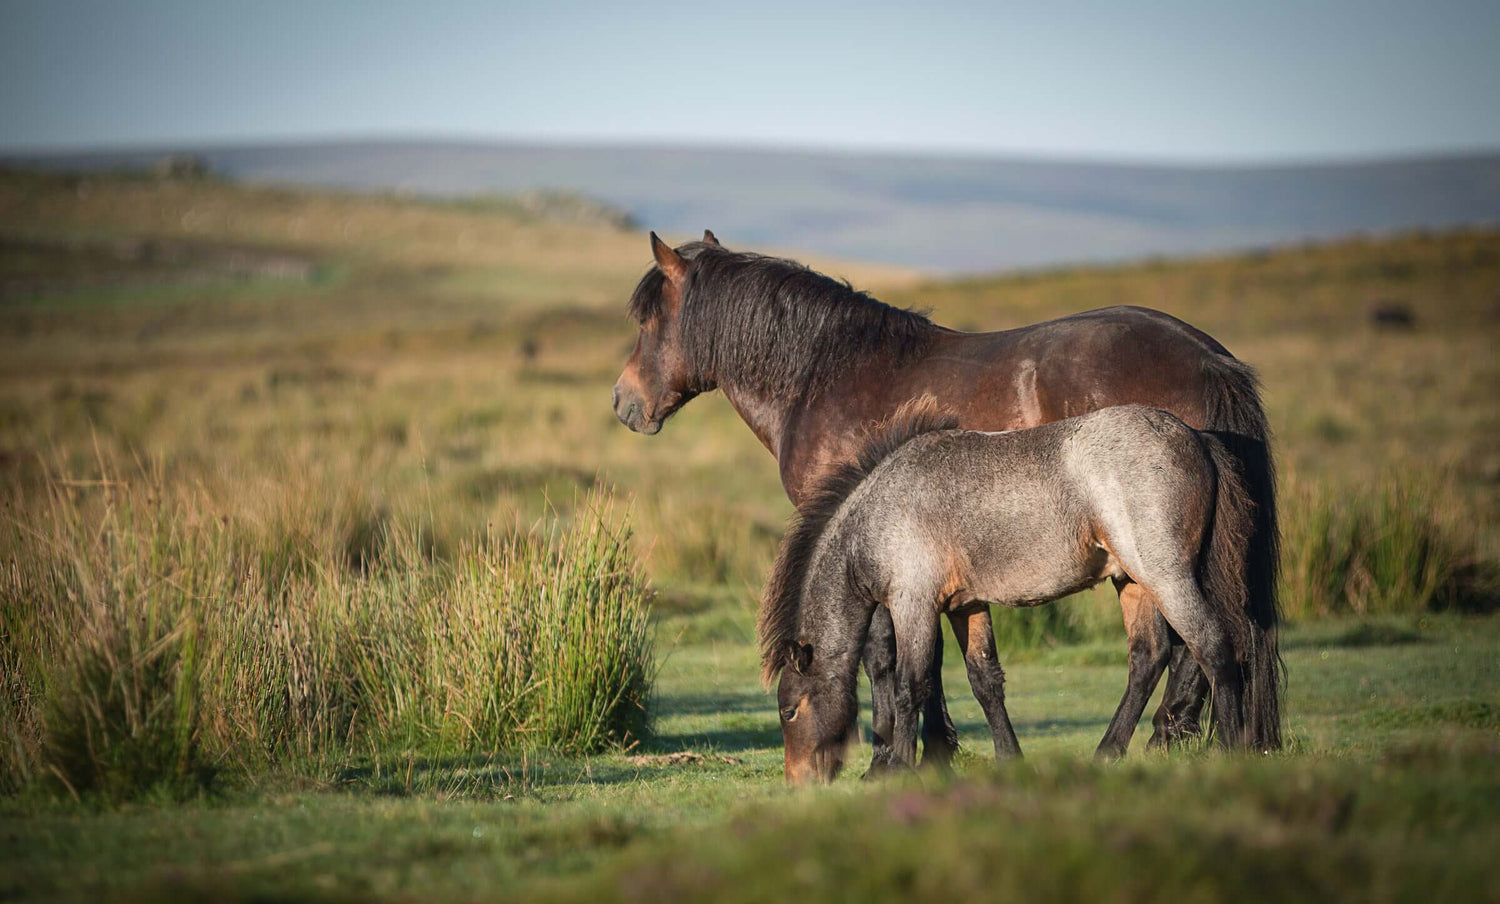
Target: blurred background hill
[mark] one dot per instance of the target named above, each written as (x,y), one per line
(942,213)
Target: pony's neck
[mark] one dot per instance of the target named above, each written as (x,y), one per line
(765,414)
(835,618)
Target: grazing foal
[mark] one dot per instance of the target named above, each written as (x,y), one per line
(935,521)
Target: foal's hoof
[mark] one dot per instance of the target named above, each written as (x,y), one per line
(881,764)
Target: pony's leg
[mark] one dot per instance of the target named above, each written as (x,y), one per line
(1150,648)
(976,640)
(1188,611)
(1182,704)
(915,625)
(939,737)
(880,665)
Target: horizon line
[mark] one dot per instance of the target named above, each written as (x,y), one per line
(747,146)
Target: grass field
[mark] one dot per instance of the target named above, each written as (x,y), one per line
(336,395)
(1390,793)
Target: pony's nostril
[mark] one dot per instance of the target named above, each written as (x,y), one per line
(614,398)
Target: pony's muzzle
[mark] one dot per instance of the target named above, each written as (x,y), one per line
(820,767)
(632,413)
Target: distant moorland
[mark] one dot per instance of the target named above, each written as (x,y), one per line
(948,214)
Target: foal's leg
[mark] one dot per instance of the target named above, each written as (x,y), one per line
(1182,703)
(880,665)
(1188,612)
(1150,647)
(976,640)
(939,737)
(915,625)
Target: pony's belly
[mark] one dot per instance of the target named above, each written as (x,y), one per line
(1027,600)
(1019,590)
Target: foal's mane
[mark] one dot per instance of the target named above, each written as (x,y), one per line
(782,602)
(774,325)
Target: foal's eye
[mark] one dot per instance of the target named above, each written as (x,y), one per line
(789,714)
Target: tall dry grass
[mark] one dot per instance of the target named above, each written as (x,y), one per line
(1390,548)
(149,642)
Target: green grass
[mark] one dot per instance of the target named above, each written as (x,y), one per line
(1070,831)
(1390,791)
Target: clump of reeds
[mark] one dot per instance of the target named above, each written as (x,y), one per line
(148,642)
(1383,550)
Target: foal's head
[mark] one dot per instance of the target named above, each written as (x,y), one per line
(818,713)
(658,379)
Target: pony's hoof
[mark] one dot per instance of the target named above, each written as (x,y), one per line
(1173,733)
(1183,731)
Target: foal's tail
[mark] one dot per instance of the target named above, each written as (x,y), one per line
(1226,578)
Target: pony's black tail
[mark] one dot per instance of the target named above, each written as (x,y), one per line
(1244,552)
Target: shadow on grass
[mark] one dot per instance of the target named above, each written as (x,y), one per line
(1055,726)
(1364,634)
(745,724)
(1477,714)
(714,704)
(481,777)
(726,740)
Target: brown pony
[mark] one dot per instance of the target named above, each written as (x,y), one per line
(809,363)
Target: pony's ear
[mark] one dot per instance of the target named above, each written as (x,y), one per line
(801,658)
(670,262)
(710,239)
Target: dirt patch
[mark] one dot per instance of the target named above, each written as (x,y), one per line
(681,758)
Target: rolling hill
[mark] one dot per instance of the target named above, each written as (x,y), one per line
(947,214)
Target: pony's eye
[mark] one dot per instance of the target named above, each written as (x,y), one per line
(789,714)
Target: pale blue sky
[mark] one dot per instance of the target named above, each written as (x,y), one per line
(1196,81)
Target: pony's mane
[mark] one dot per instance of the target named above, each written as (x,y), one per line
(774,325)
(782,602)
(645,301)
